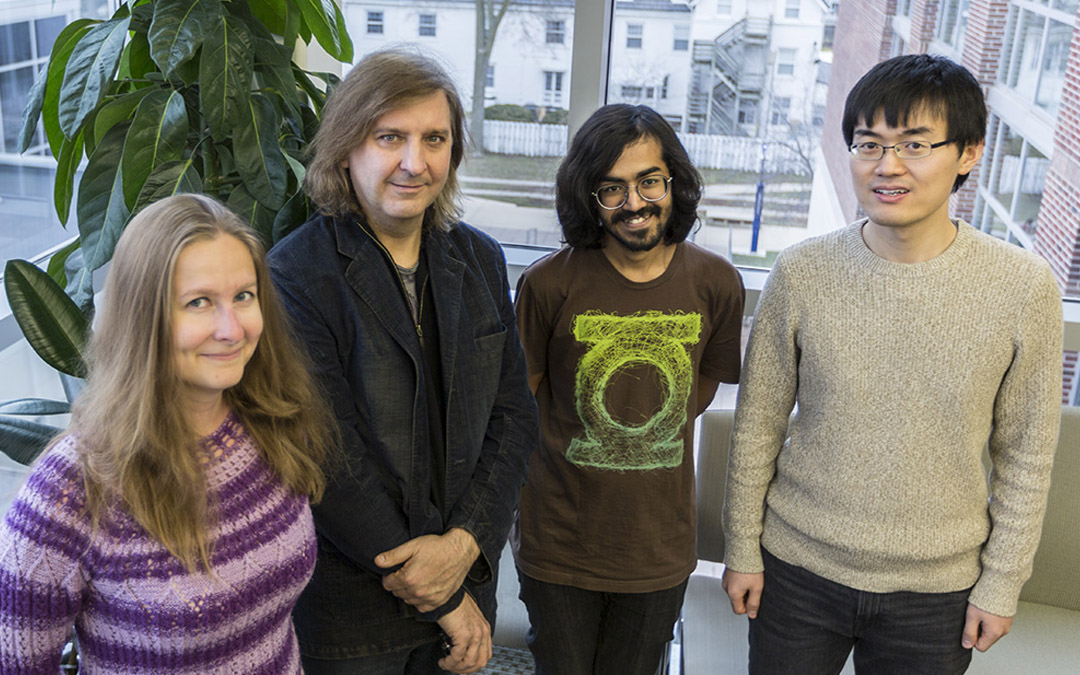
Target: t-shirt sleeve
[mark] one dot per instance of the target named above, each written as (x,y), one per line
(722,355)
(534,322)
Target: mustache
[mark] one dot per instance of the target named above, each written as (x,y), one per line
(622,214)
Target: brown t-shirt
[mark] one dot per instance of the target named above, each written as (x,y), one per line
(609,502)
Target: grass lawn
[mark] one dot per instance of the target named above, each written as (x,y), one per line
(755,260)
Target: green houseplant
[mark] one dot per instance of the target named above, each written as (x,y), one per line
(166,96)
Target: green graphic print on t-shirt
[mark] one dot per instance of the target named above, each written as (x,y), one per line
(618,343)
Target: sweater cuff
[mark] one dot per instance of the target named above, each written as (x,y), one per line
(743,556)
(996,594)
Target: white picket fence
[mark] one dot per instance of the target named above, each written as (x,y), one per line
(737,153)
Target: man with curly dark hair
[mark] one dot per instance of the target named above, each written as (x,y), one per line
(627,333)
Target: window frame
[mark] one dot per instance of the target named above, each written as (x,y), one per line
(375,19)
(555,32)
(427,25)
(635,36)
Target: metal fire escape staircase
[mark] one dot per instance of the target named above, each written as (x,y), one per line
(728,68)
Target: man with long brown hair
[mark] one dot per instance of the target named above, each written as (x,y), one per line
(407,316)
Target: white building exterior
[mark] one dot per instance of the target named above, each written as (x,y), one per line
(758,60)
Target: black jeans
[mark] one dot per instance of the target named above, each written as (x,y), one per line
(577,632)
(808,625)
(422,660)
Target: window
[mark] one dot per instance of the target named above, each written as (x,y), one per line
(785,61)
(664,90)
(375,23)
(791,9)
(553,87)
(634,32)
(489,78)
(903,7)
(748,111)
(29,226)
(24,50)
(1034,58)
(630,91)
(682,38)
(951,21)
(828,36)
(781,108)
(427,25)
(1012,182)
(723,7)
(555,32)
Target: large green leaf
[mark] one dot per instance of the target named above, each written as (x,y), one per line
(61,53)
(101,207)
(179,28)
(169,179)
(225,75)
(23,440)
(48,318)
(259,160)
(67,165)
(34,406)
(328,26)
(157,135)
(272,14)
(141,16)
(273,69)
(292,215)
(32,110)
(58,259)
(89,71)
(113,112)
(136,62)
(260,218)
(80,282)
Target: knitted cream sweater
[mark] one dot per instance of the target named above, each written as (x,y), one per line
(901,373)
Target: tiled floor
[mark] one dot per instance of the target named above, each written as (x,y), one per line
(507,661)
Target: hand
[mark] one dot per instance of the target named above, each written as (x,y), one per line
(744,591)
(983,629)
(470,638)
(433,567)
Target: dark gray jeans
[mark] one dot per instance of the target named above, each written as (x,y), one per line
(807,625)
(577,632)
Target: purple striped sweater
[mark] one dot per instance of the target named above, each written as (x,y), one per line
(135,607)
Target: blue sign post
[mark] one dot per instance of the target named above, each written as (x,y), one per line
(759,201)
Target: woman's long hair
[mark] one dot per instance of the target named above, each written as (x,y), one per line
(135,443)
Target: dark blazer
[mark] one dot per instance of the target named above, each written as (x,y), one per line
(348,310)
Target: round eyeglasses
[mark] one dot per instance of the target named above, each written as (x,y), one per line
(872,151)
(651,188)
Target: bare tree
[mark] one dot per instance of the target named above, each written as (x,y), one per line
(802,139)
(489,14)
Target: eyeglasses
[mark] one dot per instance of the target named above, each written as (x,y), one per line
(871,151)
(651,188)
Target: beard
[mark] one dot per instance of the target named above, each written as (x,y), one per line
(639,241)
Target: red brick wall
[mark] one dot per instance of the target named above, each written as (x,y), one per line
(980,53)
(863,38)
(1071,368)
(1058,236)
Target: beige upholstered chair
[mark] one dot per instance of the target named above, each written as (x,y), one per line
(1046,633)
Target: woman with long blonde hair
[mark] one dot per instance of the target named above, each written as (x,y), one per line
(170,523)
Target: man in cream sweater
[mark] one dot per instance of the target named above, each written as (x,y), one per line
(910,342)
